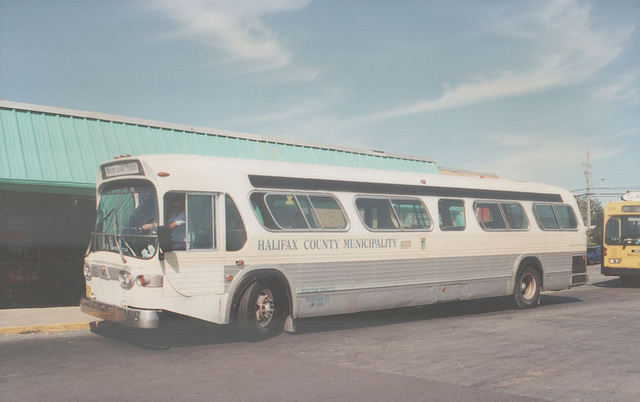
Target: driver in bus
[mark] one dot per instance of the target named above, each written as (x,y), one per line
(177,224)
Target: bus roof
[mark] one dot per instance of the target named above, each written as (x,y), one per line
(186,170)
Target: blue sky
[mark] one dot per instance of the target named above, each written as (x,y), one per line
(522,89)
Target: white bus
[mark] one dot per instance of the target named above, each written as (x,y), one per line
(262,243)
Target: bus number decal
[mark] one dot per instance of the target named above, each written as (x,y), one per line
(317,301)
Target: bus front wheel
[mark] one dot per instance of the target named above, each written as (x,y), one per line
(527,288)
(260,312)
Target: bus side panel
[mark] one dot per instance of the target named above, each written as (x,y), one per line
(557,270)
(342,287)
(431,281)
(356,300)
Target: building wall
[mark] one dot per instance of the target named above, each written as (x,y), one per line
(43,238)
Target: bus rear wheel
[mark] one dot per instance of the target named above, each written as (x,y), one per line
(260,312)
(527,288)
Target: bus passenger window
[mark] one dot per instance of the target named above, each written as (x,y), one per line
(546,217)
(286,212)
(515,215)
(307,210)
(566,216)
(235,231)
(200,225)
(328,212)
(298,212)
(489,216)
(377,213)
(451,214)
(262,212)
(412,214)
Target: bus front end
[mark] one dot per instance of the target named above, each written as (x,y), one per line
(621,240)
(124,280)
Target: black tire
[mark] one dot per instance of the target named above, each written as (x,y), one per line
(527,287)
(629,280)
(261,312)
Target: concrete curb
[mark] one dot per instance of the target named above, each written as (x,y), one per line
(47,328)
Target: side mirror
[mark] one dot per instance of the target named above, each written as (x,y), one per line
(164,238)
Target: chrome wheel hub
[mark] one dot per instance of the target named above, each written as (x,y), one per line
(265,308)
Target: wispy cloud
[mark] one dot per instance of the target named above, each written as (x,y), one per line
(236,28)
(624,88)
(568,47)
(541,157)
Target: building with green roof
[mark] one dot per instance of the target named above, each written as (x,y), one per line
(48,163)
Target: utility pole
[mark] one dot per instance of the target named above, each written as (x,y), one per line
(587,174)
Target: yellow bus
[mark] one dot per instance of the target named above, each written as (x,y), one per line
(621,240)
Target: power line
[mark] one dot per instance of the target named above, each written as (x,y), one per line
(622,188)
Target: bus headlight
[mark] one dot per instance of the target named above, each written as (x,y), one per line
(614,260)
(87,272)
(126,280)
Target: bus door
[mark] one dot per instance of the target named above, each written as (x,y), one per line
(195,266)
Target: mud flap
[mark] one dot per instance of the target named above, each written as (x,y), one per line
(289,325)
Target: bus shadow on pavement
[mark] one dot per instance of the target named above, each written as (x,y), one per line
(174,331)
(179,331)
(618,283)
(420,313)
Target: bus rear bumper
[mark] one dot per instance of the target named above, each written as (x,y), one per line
(608,271)
(130,317)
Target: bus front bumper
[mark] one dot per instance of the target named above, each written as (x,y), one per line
(130,317)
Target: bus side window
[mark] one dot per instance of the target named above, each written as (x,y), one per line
(377,213)
(285,210)
(451,214)
(515,215)
(412,214)
(307,210)
(328,212)
(566,216)
(235,231)
(546,217)
(200,221)
(262,212)
(489,216)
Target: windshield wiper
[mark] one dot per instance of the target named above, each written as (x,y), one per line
(119,237)
(93,234)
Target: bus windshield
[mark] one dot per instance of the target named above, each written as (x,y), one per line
(623,230)
(123,209)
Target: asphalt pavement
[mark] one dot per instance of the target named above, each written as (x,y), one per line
(63,319)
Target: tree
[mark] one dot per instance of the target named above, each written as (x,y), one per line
(594,236)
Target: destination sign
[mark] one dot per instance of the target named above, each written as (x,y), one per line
(121,169)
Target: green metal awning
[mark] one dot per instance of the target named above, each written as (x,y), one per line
(47,149)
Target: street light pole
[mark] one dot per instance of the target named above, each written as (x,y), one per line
(587,173)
